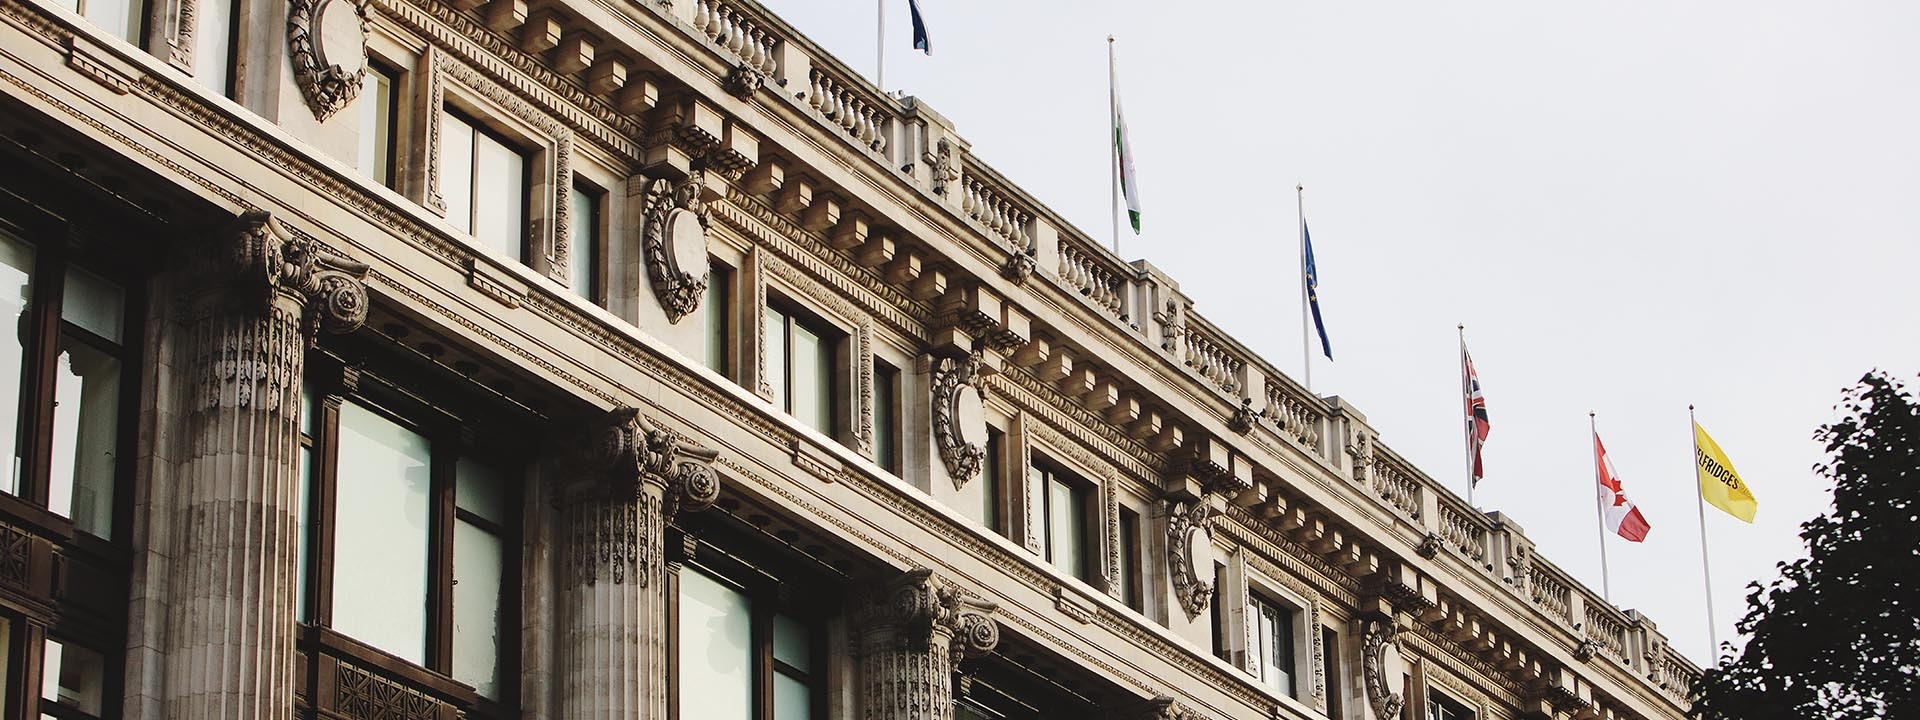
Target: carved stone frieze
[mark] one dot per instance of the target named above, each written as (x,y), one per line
(916,629)
(1376,638)
(327,41)
(1189,534)
(959,417)
(674,242)
(1161,708)
(362,695)
(615,522)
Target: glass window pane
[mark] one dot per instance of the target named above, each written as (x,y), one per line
(94,303)
(1065,524)
(483,490)
(791,699)
(885,386)
(86,422)
(990,483)
(777,360)
(1037,510)
(74,676)
(1129,556)
(456,170)
(478,560)
(811,397)
(119,18)
(380,555)
(499,196)
(792,643)
(583,232)
(301,547)
(716,672)
(6,660)
(213,56)
(716,311)
(16,291)
(376,125)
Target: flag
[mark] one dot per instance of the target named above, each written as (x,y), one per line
(1476,406)
(1621,516)
(1720,486)
(1122,146)
(920,40)
(1312,280)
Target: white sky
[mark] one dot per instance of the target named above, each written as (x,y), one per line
(1633,206)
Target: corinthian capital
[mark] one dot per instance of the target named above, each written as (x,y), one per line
(258,260)
(625,449)
(920,608)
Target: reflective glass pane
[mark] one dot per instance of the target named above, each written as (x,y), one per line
(812,397)
(777,358)
(119,18)
(301,546)
(74,676)
(380,534)
(499,196)
(791,699)
(583,230)
(16,290)
(479,558)
(792,643)
(376,125)
(213,56)
(86,422)
(1129,554)
(885,393)
(483,490)
(94,303)
(1064,523)
(715,308)
(456,170)
(716,669)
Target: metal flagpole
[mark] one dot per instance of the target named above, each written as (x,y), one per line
(1306,345)
(1706,569)
(1113,141)
(880,45)
(1599,512)
(1466,404)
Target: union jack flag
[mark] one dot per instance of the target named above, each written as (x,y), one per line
(1476,407)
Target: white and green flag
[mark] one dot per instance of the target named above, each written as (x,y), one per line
(1122,146)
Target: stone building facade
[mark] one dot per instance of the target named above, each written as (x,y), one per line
(584,359)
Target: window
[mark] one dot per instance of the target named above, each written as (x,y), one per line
(1062,504)
(1330,666)
(73,681)
(483,179)
(740,657)
(119,18)
(1129,575)
(886,416)
(60,428)
(990,474)
(378,118)
(213,64)
(1273,635)
(583,232)
(1217,620)
(718,315)
(1441,707)
(418,514)
(800,368)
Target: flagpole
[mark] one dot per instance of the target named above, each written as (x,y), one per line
(1306,345)
(880,45)
(1113,141)
(1706,568)
(1466,400)
(1599,513)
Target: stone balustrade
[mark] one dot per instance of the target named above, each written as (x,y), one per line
(1463,531)
(1295,412)
(1607,628)
(730,27)
(1396,483)
(841,103)
(1099,284)
(984,200)
(1550,590)
(1206,351)
(1674,675)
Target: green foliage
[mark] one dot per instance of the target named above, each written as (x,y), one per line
(1838,635)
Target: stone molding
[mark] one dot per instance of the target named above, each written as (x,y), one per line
(916,630)
(1379,635)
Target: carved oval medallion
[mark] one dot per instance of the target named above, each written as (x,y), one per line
(687,243)
(339,38)
(970,417)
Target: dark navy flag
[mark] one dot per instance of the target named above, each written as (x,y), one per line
(1313,291)
(920,41)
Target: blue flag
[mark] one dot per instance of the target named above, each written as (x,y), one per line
(1313,290)
(920,41)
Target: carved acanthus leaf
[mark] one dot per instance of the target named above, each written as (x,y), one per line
(955,413)
(1379,636)
(328,84)
(675,233)
(1189,527)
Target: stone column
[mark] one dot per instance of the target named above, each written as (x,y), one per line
(256,299)
(915,629)
(634,478)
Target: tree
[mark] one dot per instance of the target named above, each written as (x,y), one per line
(1838,635)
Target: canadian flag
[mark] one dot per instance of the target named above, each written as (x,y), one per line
(1619,513)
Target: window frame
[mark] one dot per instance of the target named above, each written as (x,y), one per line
(719,317)
(742,570)
(1450,708)
(529,153)
(594,254)
(833,341)
(1260,589)
(1044,473)
(449,440)
(887,406)
(397,77)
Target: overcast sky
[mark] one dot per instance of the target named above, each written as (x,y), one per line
(1633,206)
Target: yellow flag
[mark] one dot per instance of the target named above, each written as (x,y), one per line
(1720,486)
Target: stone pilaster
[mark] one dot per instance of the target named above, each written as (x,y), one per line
(915,630)
(256,298)
(613,638)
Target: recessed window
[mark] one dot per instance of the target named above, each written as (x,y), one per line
(213,65)
(1062,508)
(1129,570)
(886,416)
(73,679)
(483,179)
(1441,707)
(740,657)
(1273,637)
(378,118)
(119,18)
(800,367)
(991,474)
(719,314)
(1330,666)
(1217,618)
(583,230)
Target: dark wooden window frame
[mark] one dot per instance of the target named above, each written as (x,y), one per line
(886,440)
(769,593)
(833,337)
(395,99)
(1050,473)
(1132,590)
(481,127)
(595,251)
(448,438)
